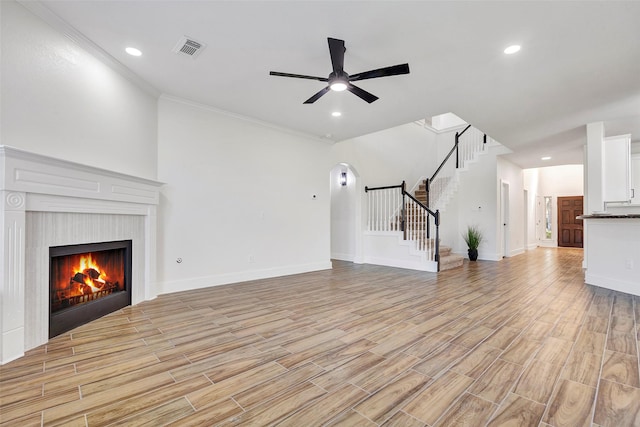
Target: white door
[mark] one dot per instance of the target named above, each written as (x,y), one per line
(504,203)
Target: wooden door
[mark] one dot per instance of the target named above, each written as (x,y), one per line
(569,228)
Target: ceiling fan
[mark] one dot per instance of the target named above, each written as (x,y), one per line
(338,80)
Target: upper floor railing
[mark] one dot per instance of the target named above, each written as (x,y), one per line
(464,149)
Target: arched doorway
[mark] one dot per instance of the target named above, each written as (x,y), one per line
(345,213)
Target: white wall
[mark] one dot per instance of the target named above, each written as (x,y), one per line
(390,156)
(59,100)
(238,201)
(476,202)
(554,181)
(593,172)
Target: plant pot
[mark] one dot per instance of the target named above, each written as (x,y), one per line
(473,254)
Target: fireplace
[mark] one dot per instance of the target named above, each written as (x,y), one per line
(86,282)
(47,202)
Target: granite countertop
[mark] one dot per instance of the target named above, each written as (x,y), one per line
(608,216)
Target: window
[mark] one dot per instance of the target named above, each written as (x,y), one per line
(547,217)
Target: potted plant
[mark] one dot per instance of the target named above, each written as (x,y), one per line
(472,238)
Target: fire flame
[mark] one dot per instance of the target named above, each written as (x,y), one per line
(87,263)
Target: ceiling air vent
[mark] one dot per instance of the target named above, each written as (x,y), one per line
(189,47)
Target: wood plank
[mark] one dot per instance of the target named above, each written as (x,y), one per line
(617,405)
(474,363)
(496,382)
(326,407)
(402,419)
(571,405)
(279,408)
(517,411)
(583,368)
(273,387)
(621,368)
(352,419)
(467,411)
(441,359)
(382,373)
(225,389)
(537,381)
(115,411)
(215,413)
(383,404)
(434,400)
(623,342)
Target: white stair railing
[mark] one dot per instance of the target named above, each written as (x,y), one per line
(384,208)
(468,145)
(393,209)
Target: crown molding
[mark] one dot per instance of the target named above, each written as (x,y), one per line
(248,119)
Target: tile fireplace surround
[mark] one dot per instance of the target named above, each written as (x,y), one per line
(51,202)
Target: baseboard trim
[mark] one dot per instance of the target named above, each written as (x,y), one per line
(632,288)
(343,257)
(431,266)
(241,276)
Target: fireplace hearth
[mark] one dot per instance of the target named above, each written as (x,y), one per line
(86,282)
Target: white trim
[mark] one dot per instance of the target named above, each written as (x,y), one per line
(237,277)
(515,252)
(430,266)
(343,257)
(610,283)
(245,118)
(423,124)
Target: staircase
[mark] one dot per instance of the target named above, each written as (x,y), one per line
(421,207)
(448,260)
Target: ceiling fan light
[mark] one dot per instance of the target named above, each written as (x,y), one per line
(338,86)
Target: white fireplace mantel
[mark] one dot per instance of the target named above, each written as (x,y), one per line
(32,182)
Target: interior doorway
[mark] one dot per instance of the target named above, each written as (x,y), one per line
(570,229)
(504,217)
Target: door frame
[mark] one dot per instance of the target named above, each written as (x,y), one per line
(504,217)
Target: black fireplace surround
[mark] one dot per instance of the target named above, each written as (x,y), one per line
(86,282)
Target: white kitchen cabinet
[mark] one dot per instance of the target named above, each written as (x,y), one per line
(635,179)
(616,174)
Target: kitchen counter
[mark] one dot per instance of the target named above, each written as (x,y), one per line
(612,251)
(608,216)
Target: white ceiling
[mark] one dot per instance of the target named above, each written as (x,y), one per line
(579,63)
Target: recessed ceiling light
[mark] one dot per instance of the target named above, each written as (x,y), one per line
(336,114)
(512,49)
(133,51)
(545,158)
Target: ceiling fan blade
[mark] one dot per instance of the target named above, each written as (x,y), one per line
(363,94)
(298,76)
(394,70)
(317,96)
(336,50)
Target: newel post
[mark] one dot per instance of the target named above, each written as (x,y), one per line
(402,221)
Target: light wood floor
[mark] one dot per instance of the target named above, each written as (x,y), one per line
(520,342)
